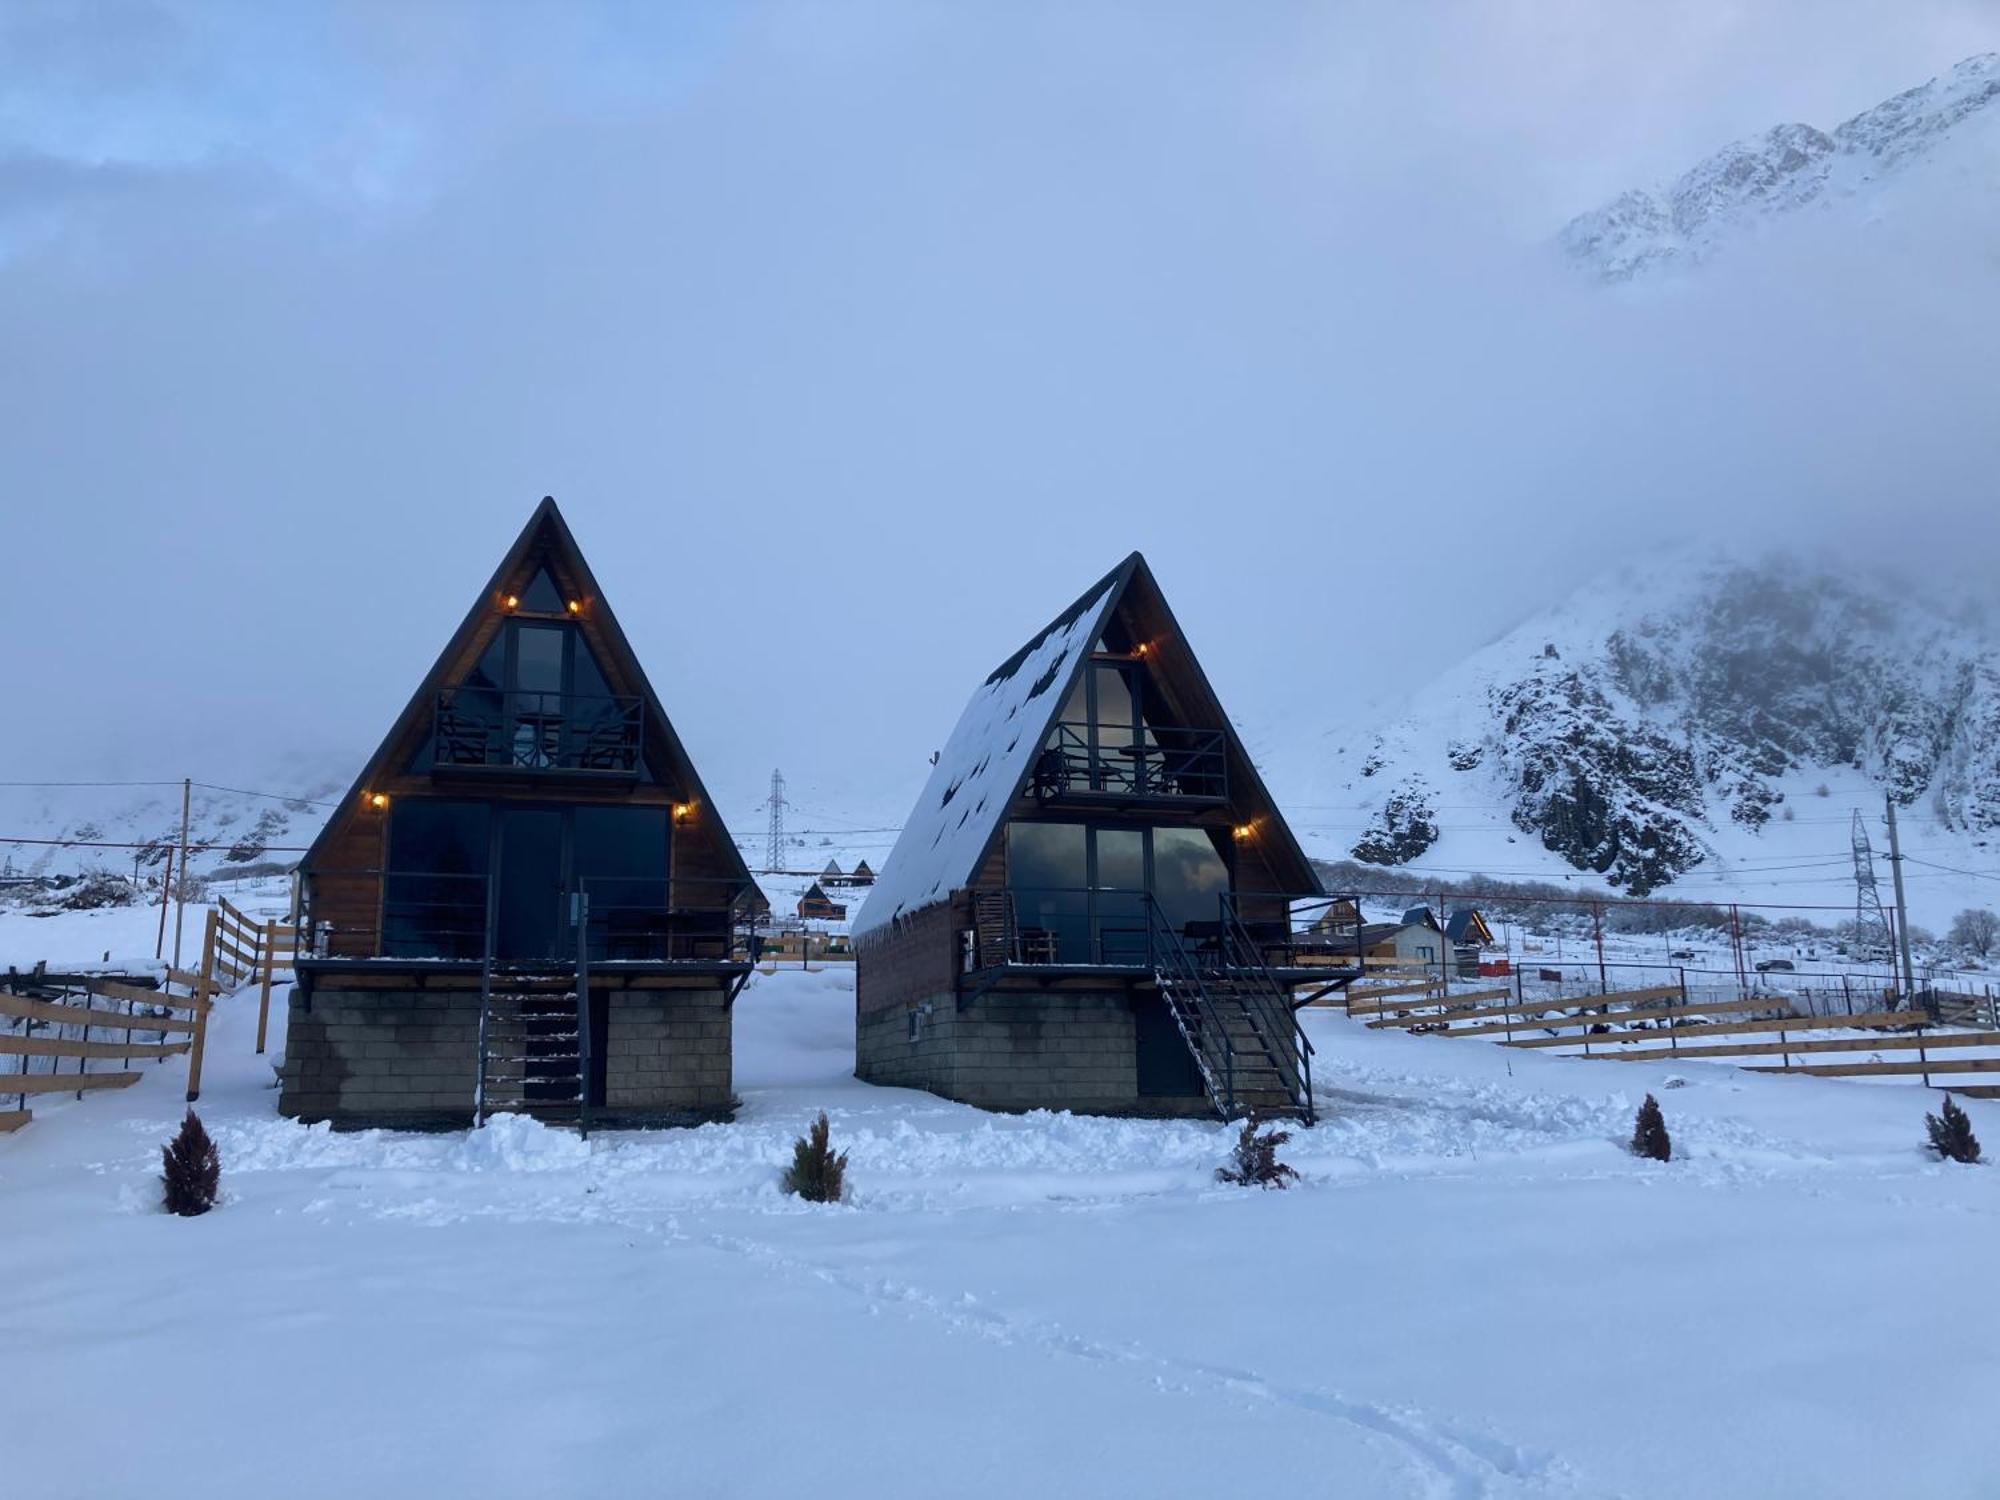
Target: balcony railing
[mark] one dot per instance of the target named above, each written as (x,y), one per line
(1040,925)
(437,915)
(1165,764)
(484,729)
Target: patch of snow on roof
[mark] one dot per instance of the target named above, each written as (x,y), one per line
(973,782)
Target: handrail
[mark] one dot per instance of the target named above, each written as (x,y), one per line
(446,914)
(523,730)
(1243,956)
(1159,761)
(1164,947)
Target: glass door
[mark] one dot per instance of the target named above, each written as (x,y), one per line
(528,896)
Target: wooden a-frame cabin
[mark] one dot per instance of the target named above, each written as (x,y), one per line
(1090,906)
(527,901)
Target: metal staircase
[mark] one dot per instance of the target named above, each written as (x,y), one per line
(1236,1021)
(534,1039)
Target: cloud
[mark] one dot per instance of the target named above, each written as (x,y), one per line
(856,342)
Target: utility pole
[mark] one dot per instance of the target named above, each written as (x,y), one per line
(180,890)
(1902,906)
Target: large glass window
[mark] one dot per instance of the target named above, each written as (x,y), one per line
(1079,889)
(434,894)
(1048,869)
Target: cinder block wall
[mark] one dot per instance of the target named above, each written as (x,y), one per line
(398,1058)
(1011,1049)
(667,1056)
(409,1059)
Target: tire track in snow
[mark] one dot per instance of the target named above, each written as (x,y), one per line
(1449,1462)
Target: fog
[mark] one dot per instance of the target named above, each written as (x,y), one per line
(856,340)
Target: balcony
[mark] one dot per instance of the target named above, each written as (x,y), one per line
(481,730)
(1170,766)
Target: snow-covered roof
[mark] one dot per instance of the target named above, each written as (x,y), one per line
(983,763)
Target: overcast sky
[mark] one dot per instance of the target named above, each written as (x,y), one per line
(855,339)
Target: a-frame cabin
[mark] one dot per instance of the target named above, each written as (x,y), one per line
(1090,906)
(527,901)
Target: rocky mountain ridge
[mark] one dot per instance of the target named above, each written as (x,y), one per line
(1656,724)
(1788,169)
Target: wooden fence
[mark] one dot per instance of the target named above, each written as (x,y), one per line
(1661,1024)
(91,1017)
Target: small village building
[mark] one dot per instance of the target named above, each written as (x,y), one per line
(861,875)
(528,901)
(1089,907)
(1468,937)
(816,906)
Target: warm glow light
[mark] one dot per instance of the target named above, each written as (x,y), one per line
(682,809)
(1140,649)
(512,601)
(1244,830)
(575,607)
(378,800)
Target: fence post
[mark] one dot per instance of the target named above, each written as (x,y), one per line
(1673,1038)
(1597,929)
(270,942)
(204,994)
(166,890)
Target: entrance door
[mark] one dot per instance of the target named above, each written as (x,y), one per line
(530,885)
(1167,1070)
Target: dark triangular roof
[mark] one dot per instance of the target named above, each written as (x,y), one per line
(1466,925)
(546,540)
(1420,916)
(986,764)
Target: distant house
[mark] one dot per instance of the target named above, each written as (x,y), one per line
(858,876)
(527,901)
(1340,919)
(816,906)
(1467,934)
(1082,908)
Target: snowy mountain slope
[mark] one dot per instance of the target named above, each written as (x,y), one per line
(1943,135)
(1694,727)
(229,828)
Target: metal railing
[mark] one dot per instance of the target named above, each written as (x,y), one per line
(493,730)
(445,915)
(1158,763)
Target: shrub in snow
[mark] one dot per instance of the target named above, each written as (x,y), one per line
(191,1171)
(1254,1162)
(817,1172)
(1649,1132)
(1951,1134)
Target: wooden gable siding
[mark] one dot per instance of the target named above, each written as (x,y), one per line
(344,872)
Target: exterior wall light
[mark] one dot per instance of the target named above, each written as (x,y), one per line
(1245,831)
(376,800)
(1141,649)
(682,811)
(512,601)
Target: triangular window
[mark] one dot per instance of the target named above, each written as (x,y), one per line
(541,596)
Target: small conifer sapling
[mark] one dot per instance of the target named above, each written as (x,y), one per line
(1649,1133)
(818,1172)
(1254,1162)
(1951,1134)
(191,1169)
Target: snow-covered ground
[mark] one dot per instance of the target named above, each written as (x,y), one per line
(1473,1291)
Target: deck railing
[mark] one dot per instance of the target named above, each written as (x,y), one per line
(440,915)
(1163,764)
(484,729)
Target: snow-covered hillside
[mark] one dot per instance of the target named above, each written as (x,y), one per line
(1941,137)
(1699,727)
(89,827)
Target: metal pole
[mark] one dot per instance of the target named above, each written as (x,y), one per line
(180,890)
(1597,929)
(1902,908)
(166,894)
(1736,942)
